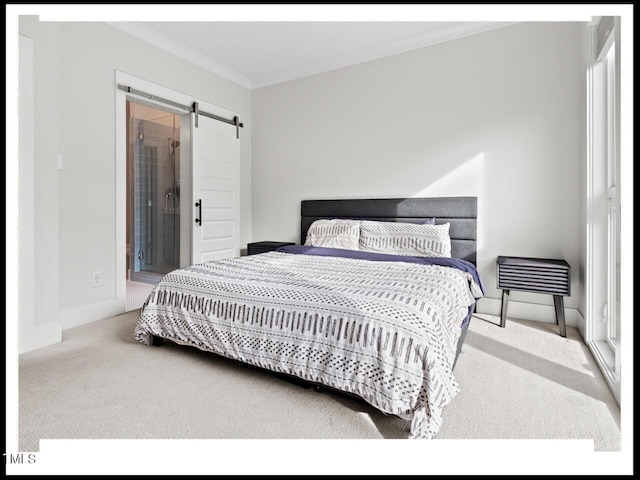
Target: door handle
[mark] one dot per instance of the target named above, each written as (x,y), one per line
(166,203)
(199,205)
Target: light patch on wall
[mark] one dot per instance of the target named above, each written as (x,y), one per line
(465,181)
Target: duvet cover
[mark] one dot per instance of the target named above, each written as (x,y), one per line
(382,327)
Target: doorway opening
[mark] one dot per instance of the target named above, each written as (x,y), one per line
(153,198)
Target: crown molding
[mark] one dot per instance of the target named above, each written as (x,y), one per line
(445,34)
(393,48)
(170,45)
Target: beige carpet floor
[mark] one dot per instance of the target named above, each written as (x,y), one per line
(520,382)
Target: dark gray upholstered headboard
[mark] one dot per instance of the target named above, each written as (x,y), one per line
(460,212)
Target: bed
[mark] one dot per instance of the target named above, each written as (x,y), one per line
(348,309)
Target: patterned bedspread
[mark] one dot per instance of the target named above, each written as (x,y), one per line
(385,331)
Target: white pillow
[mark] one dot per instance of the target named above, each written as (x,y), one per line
(334,233)
(397,238)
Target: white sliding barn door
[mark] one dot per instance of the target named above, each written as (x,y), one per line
(215,193)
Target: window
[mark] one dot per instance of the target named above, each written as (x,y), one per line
(613,203)
(603,197)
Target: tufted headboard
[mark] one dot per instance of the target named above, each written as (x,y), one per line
(460,212)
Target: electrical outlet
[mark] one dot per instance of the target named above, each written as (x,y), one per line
(96,279)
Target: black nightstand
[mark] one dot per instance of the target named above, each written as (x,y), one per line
(536,275)
(263,247)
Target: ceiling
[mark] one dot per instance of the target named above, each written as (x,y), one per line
(258,54)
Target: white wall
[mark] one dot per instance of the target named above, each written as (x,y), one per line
(501,110)
(75,88)
(499,115)
(44,326)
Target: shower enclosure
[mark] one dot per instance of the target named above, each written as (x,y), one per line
(153,235)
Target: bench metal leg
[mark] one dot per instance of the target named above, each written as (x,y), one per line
(558,302)
(503,310)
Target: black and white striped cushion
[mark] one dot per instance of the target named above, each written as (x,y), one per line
(398,238)
(334,233)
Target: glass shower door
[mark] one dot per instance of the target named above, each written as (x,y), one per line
(155,219)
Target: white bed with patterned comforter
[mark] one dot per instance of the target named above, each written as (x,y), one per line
(386,331)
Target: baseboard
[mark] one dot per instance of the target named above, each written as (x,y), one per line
(74,317)
(41,336)
(527,311)
(605,358)
(581,325)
